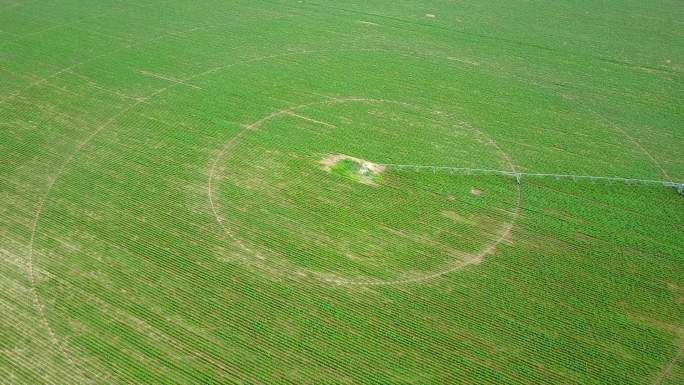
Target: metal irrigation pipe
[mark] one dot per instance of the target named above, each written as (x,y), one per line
(679,186)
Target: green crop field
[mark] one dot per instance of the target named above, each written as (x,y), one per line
(341,192)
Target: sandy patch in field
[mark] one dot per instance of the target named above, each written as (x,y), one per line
(464,61)
(331,160)
(368,173)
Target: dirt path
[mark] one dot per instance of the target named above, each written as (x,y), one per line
(667,370)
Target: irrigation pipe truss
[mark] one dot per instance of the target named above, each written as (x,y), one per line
(679,186)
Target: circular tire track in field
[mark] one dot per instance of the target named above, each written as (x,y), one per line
(503,233)
(40,306)
(32,274)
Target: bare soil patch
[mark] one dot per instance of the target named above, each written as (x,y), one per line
(368,172)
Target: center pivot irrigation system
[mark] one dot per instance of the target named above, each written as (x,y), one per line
(679,186)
